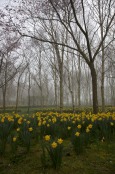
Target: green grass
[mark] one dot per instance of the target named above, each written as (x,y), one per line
(24,109)
(98,158)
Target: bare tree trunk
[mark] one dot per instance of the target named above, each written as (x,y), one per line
(101,19)
(94,88)
(55,78)
(61,87)
(29,94)
(60,67)
(102,81)
(4,98)
(17,95)
(71,80)
(89,89)
(4,88)
(79,81)
(18,86)
(73,97)
(42,97)
(71,92)
(55,88)
(47,91)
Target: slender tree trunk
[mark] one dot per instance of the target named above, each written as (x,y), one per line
(102,88)
(73,105)
(47,93)
(29,94)
(4,89)
(60,66)
(42,97)
(89,91)
(33,99)
(61,87)
(71,83)
(55,87)
(4,99)
(79,81)
(17,95)
(94,88)
(103,75)
(73,102)
(101,19)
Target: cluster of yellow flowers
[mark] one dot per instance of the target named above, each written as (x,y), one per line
(89,127)
(47,118)
(54,144)
(51,118)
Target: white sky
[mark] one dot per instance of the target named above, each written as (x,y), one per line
(3,2)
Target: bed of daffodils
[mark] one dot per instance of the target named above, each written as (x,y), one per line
(50,130)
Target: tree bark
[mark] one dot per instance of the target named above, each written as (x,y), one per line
(61,87)
(55,87)
(29,94)
(4,99)
(79,82)
(17,95)
(94,88)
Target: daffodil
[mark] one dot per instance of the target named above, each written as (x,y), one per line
(77,134)
(48,125)
(30,129)
(60,141)
(87,130)
(90,126)
(68,127)
(28,122)
(54,145)
(20,121)
(44,122)
(18,129)
(79,126)
(14,139)
(49,120)
(39,123)
(111,123)
(47,137)
(2,120)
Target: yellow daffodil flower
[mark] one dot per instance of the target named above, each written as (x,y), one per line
(60,141)
(47,137)
(77,134)
(54,145)
(30,129)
